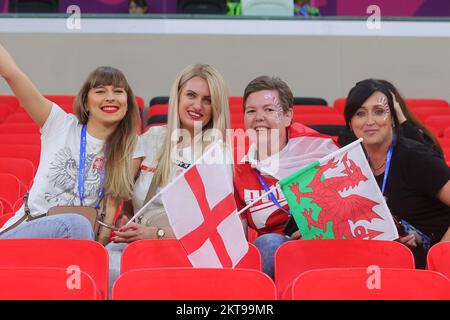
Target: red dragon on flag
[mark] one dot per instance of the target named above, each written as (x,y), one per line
(337,197)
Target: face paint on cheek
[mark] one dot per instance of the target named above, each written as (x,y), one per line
(383,102)
(276,105)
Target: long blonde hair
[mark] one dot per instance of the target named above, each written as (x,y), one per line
(220,115)
(120,144)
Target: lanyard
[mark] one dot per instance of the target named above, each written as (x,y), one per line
(81,172)
(388,164)
(271,196)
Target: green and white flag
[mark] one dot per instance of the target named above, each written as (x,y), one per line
(337,197)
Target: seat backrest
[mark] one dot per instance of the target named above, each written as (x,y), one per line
(7,208)
(25,151)
(310,101)
(314,109)
(267,7)
(309,118)
(202,6)
(159,100)
(46,284)
(11,188)
(20,128)
(158,109)
(193,284)
(412,103)
(19,138)
(61,99)
(11,101)
(295,257)
(235,104)
(339,105)
(422,113)
(23,169)
(447,132)
(169,253)
(438,124)
(438,258)
(370,284)
(90,256)
(5,217)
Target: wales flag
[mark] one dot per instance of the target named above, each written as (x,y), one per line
(337,197)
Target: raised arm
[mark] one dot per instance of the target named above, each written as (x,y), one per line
(31,99)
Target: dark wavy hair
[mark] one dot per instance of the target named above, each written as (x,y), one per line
(358,95)
(411,118)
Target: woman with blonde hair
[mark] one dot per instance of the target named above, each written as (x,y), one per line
(85,158)
(198,117)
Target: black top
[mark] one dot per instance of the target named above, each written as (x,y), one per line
(410,131)
(416,175)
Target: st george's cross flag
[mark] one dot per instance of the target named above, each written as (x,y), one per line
(337,197)
(202,212)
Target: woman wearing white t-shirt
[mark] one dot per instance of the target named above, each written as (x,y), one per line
(85,158)
(198,102)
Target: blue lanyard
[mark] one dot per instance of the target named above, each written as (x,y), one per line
(388,164)
(81,172)
(271,196)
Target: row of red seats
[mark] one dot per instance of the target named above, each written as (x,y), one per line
(12,113)
(148,263)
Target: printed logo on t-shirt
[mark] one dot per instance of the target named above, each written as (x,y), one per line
(99,163)
(264,208)
(63,178)
(182,164)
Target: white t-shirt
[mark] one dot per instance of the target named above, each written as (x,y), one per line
(56,180)
(151,142)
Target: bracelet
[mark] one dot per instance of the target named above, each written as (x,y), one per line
(109,226)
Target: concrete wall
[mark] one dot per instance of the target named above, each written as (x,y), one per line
(321,66)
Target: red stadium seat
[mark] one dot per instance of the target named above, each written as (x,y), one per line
(5,111)
(60,99)
(23,169)
(7,206)
(423,113)
(339,105)
(193,284)
(438,258)
(313,109)
(20,128)
(252,234)
(367,284)
(46,284)
(25,151)
(4,218)
(90,256)
(19,138)
(447,132)
(11,101)
(295,257)
(21,117)
(140,102)
(413,103)
(169,253)
(158,109)
(236,104)
(308,119)
(11,188)
(438,124)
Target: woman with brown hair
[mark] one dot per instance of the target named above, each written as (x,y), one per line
(85,158)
